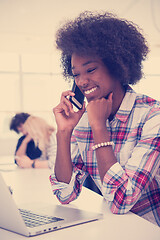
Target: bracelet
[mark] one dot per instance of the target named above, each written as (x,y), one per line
(33,164)
(103,144)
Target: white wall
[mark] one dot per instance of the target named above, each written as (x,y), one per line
(30,74)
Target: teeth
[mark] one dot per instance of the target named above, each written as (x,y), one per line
(90,91)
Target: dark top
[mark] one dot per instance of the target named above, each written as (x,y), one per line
(32,151)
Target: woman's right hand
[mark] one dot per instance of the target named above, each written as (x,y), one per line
(66,117)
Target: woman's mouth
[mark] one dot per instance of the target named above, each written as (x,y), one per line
(87,92)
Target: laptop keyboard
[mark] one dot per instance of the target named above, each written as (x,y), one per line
(34,220)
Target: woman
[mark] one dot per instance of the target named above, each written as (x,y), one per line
(116,138)
(40,137)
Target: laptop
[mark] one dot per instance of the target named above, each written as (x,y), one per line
(32,223)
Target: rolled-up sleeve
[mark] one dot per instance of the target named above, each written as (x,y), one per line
(123,186)
(69,192)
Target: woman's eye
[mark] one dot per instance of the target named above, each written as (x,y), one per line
(91,70)
(75,75)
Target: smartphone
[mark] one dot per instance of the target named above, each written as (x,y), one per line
(78,98)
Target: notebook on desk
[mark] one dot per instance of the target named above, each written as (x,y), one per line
(29,223)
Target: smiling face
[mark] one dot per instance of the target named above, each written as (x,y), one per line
(92,77)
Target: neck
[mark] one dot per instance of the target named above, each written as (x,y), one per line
(118,96)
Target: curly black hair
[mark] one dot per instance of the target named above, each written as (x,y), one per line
(117,42)
(17,120)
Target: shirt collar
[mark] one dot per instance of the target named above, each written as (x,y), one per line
(126,105)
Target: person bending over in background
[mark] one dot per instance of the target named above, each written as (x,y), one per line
(116,139)
(16,125)
(37,147)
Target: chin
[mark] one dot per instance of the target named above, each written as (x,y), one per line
(90,99)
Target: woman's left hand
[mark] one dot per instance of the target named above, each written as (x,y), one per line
(99,111)
(24,161)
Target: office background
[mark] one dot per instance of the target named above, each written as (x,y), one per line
(30,73)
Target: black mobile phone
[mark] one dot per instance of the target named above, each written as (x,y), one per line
(78,98)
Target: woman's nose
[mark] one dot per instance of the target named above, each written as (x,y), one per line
(82,81)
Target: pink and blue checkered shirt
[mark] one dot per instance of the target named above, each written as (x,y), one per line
(133,183)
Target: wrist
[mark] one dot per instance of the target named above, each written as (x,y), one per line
(65,133)
(98,124)
(100,134)
(99,128)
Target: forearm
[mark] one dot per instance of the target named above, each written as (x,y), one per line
(63,164)
(105,155)
(22,149)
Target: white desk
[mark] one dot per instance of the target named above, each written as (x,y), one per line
(32,185)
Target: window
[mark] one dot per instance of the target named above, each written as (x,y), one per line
(29,83)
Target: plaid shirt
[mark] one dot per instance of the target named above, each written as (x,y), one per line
(133,183)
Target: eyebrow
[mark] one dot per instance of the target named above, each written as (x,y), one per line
(86,63)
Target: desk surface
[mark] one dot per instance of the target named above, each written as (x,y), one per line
(32,186)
